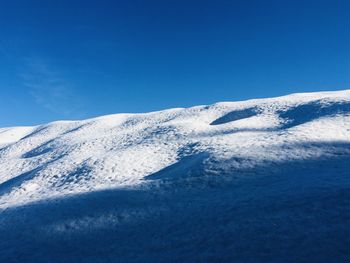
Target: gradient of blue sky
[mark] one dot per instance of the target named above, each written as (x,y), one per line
(78,59)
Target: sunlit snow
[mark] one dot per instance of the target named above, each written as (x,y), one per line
(229,181)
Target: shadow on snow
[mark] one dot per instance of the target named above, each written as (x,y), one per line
(295,212)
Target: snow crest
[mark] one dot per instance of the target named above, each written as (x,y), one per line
(225,140)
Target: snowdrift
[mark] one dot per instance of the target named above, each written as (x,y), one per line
(264,180)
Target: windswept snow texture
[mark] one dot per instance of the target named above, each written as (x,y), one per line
(263,180)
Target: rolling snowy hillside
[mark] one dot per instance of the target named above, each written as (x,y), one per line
(264,180)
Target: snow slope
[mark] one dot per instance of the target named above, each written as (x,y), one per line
(259,180)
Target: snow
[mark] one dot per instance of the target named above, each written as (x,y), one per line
(10,135)
(256,180)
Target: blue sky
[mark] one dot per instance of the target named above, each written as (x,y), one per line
(79,59)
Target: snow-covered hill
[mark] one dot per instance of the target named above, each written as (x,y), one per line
(258,180)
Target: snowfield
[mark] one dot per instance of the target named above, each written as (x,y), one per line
(264,180)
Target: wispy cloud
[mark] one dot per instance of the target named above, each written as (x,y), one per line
(50,89)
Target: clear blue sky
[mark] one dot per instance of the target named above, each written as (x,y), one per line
(78,59)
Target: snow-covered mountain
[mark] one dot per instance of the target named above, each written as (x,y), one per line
(258,180)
